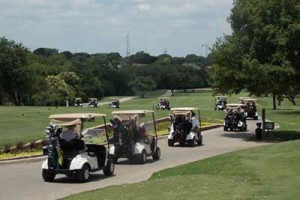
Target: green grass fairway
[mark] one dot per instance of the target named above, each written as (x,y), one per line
(26,124)
(270,172)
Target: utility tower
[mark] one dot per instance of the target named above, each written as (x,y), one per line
(127,46)
(206,46)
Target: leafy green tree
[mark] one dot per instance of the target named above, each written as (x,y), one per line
(262,48)
(14,71)
(142,85)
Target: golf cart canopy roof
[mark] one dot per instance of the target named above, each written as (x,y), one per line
(73,118)
(183,110)
(250,100)
(242,98)
(133,114)
(122,112)
(221,97)
(234,105)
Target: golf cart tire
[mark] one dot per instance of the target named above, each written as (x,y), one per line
(192,142)
(200,141)
(255,117)
(142,158)
(109,168)
(48,175)
(115,159)
(83,174)
(225,128)
(156,154)
(170,143)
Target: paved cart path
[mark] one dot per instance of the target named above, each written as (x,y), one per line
(24,181)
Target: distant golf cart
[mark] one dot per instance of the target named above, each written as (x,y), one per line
(93,102)
(242,99)
(114,103)
(221,102)
(78,157)
(163,103)
(78,102)
(250,108)
(133,137)
(235,118)
(185,127)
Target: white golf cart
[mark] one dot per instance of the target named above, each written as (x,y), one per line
(221,102)
(185,127)
(250,108)
(78,157)
(235,118)
(114,103)
(134,136)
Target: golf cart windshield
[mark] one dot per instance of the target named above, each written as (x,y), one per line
(95,136)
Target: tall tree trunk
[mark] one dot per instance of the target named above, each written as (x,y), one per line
(274,102)
(16,98)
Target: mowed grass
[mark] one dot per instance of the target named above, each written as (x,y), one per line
(269,172)
(26,124)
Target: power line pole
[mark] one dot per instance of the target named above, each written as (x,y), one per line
(206,47)
(127,46)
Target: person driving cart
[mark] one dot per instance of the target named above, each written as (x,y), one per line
(69,134)
(195,123)
(118,128)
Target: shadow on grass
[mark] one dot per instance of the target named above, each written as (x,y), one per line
(277,136)
(272,136)
(240,135)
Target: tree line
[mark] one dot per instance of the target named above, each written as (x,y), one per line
(46,76)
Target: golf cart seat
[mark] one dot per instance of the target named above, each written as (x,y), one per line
(71,148)
(97,150)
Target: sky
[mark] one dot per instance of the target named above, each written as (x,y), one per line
(177,27)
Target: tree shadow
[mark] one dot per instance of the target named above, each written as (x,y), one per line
(239,135)
(278,136)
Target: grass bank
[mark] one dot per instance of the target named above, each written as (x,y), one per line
(270,172)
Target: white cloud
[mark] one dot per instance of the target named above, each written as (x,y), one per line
(144,7)
(94,25)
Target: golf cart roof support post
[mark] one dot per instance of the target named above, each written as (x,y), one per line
(153,118)
(199,118)
(105,127)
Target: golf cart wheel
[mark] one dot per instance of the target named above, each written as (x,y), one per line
(200,141)
(115,159)
(83,174)
(192,142)
(225,128)
(48,175)
(170,143)
(255,117)
(156,154)
(110,168)
(142,158)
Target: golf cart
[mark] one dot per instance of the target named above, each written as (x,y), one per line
(78,157)
(185,127)
(250,109)
(134,138)
(114,103)
(235,118)
(221,102)
(163,103)
(93,102)
(78,102)
(242,99)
